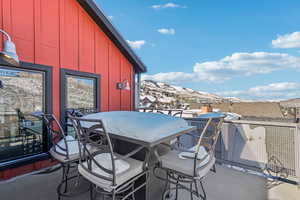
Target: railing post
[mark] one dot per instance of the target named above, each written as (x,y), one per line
(297,154)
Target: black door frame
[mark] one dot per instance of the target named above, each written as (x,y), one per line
(48,71)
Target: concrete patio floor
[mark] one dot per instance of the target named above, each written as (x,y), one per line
(225,184)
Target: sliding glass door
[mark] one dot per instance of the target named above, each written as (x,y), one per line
(22,99)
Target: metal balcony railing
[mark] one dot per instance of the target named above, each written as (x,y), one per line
(270,148)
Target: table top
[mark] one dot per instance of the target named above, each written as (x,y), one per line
(148,129)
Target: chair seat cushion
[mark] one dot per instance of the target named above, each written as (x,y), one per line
(125,170)
(173,161)
(61,154)
(202,154)
(105,160)
(72,145)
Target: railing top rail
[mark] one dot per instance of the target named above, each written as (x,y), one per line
(264,123)
(261,123)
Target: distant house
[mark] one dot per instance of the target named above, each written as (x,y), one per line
(167,102)
(71,57)
(148,101)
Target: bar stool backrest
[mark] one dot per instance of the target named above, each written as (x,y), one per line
(178,113)
(91,138)
(210,136)
(210,131)
(174,113)
(58,139)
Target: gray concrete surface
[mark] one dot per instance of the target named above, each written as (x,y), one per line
(226,184)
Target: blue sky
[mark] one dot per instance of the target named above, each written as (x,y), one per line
(246,49)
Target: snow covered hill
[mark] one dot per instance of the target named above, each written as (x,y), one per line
(162,94)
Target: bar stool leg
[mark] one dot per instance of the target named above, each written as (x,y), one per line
(191,190)
(177,182)
(62,180)
(204,194)
(196,188)
(91,191)
(66,177)
(114,195)
(166,187)
(133,197)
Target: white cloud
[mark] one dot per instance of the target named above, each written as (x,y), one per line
(136,44)
(245,64)
(167,5)
(238,64)
(281,90)
(170,77)
(166,31)
(110,17)
(276,87)
(291,40)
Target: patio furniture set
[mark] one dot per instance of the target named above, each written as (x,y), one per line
(94,154)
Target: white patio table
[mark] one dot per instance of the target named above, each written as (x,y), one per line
(144,129)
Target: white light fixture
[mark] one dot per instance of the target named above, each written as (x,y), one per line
(9,53)
(123,86)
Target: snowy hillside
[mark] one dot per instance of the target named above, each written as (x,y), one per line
(172,96)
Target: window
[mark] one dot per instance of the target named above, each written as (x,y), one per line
(22,96)
(79,92)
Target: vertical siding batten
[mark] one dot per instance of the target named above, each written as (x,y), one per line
(69,34)
(47,32)
(101,65)
(114,77)
(7,17)
(86,42)
(1,22)
(125,75)
(108,77)
(22,26)
(47,42)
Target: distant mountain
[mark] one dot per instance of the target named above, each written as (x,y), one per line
(166,94)
(234,99)
(162,95)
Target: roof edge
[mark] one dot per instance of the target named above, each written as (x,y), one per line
(102,21)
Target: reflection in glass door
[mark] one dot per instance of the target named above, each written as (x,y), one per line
(80,97)
(22,95)
(81,92)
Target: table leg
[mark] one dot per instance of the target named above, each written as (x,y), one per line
(154,187)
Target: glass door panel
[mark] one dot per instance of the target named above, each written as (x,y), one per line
(22,94)
(81,97)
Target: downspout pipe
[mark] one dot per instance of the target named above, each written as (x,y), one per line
(137,91)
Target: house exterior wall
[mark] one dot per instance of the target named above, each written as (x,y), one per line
(60,34)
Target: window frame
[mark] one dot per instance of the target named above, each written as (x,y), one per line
(64,73)
(48,106)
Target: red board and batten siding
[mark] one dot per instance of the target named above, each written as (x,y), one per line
(62,35)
